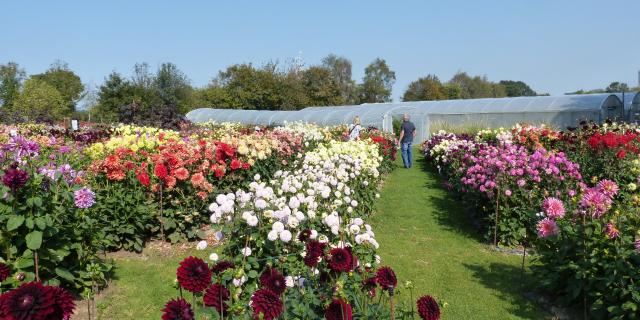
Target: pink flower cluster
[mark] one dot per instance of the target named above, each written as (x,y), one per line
(493,163)
(597,201)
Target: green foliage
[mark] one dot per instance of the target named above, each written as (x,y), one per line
(377,82)
(426,88)
(320,87)
(340,68)
(11,77)
(66,82)
(517,88)
(39,101)
(477,87)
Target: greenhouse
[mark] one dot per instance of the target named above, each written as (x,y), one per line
(428,116)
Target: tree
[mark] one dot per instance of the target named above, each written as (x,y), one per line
(11,77)
(66,82)
(517,89)
(320,87)
(476,87)
(425,89)
(251,88)
(377,83)
(173,87)
(114,93)
(340,68)
(452,90)
(617,87)
(39,101)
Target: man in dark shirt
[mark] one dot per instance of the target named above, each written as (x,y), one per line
(406,139)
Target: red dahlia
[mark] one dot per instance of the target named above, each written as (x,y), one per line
(304,235)
(221,266)
(369,285)
(338,309)
(235,164)
(315,250)
(63,303)
(340,260)
(273,280)
(143,177)
(193,274)
(160,171)
(177,309)
(4,272)
(267,303)
(29,301)
(386,278)
(217,296)
(428,308)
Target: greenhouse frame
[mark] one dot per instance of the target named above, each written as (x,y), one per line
(428,116)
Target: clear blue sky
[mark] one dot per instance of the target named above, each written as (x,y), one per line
(555,46)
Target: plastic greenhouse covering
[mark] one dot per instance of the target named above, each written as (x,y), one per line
(428,116)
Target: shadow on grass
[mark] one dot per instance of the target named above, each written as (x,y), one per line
(510,284)
(448,210)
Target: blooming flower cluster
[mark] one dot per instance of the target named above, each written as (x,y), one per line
(34,301)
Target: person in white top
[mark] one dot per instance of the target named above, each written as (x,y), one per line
(354,129)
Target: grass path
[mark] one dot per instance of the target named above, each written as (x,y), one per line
(424,236)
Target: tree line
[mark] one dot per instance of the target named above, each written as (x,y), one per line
(166,93)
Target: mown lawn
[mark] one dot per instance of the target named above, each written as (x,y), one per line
(424,236)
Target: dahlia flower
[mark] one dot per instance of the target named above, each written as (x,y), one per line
(273,280)
(315,250)
(338,309)
(428,308)
(177,309)
(193,274)
(84,198)
(608,187)
(553,207)
(266,303)
(15,178)
(217,296)
(160,170)
(221,266)
(64,305)
(386,278)
(547,227)
(340,260)
(611,230)
(31,300)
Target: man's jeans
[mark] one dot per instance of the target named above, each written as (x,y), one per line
(406,154)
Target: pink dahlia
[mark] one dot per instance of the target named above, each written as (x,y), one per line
(595,202)
(547,227)
(611,230)
(553,207)
(428,308)
(608,187)
(193,274)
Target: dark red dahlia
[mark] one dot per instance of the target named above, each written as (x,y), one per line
(4,272)
(273,280)
(193,274)
(217,296)
(221,266)
(267,303)
(338,309)
(369,285)
(340,260)
(386,278)
(63,303)
(29,301)
(15,178)
(315,250)
(177,309)
(428,308)
(304,235)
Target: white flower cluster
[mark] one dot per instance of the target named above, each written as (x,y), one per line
(319,197)
(310,132)
(502,135)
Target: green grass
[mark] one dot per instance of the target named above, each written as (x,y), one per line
(423,234)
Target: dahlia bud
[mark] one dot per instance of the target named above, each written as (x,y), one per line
(20,276)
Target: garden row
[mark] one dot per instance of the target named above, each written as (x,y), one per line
(570,195)
(67,197)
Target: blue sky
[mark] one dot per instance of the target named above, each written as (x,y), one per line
(555,46)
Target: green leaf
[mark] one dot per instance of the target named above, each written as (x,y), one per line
(65,274)
(23,263)
(34,240)
(14,222)
(41,223)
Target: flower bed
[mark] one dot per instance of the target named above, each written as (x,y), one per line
(298,245)
(528,182)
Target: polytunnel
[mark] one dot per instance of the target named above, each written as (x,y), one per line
(429,116)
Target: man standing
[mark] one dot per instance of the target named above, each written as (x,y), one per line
(407,133)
